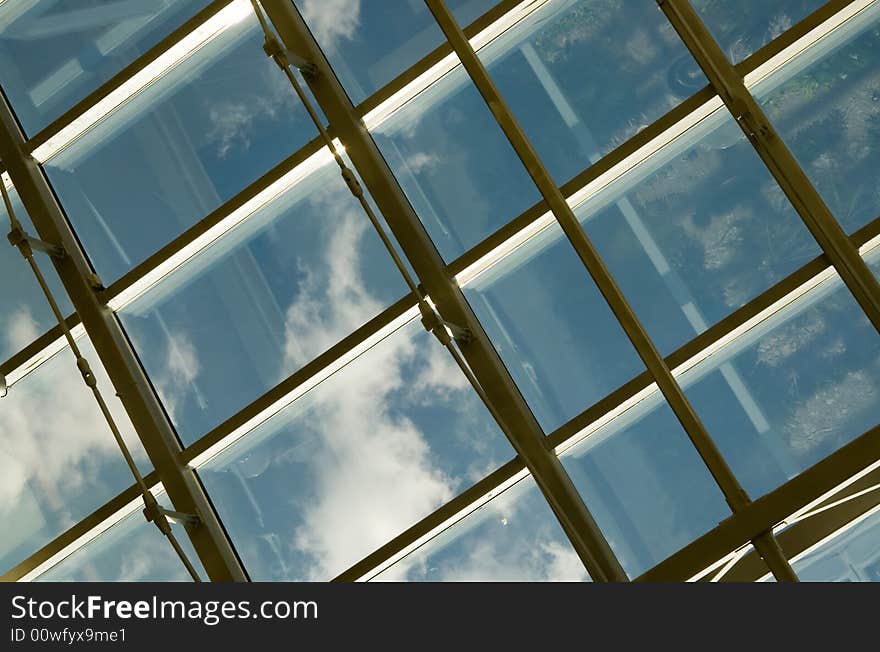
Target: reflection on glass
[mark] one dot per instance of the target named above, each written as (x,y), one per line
(584,76)
(512,538)
(369,44)
(376,447)
(25,314)
(58,457)
(852,555)
(133,550)
(645,484)
(826,105)
(792,390)
(55,52)
(178,150)
(553,329)
(287,284)
(741,28)
(696,231)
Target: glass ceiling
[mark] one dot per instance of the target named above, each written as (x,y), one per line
(332,434)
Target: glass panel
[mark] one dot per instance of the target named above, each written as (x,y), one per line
(350,465)
(696,231)
(793,390)
(744,27)
(59,459)
(292,280)
(55,52)
(455,164)
(553,329)
(26,314)
(512,538)
(133,550)
(582,77)
(852,555)
(826,105)
(645,484)
(370,43)
(178,150)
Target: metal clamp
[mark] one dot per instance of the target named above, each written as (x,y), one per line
(155,513)
(19,238)
(285,57)
(441,328)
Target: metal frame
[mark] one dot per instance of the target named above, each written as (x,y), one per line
(679,566)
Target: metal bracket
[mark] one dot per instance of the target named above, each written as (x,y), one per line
(286,57)
(19,238)
(95,282)
(435,324)
(155,513)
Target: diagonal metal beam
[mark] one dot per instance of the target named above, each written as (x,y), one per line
(733,492)
(769,510)
(525,434)
(834,515)
(80,534)
(143,408)
(793,181)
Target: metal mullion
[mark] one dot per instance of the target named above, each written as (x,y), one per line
(524,432)
(782,294)
(799,537)
(695,348)
(436,523)
(205,15)
(791,35)
(80,534)
(301,381)
(22,362)
(776,156)
(640,147)
(648,140)
(143,407)
(433,58)
(734,494)
(133,281)
(769,510)
(69,116)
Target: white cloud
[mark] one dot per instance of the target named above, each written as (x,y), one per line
(53,440)
(421,161)
(20,329)
(508,545)
(332,301)
(180,370)
(234,120)
(374,470)
(331,21)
